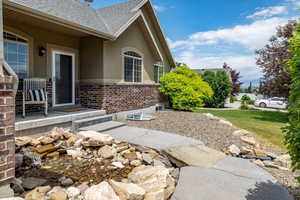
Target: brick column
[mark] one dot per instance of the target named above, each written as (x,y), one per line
(7,131)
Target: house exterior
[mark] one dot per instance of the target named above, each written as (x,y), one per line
(103,58)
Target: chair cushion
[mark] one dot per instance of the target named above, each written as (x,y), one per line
(37,95)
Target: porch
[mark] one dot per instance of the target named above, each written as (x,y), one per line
(36,123)
(37,47)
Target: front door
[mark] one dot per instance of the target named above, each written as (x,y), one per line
(63,78)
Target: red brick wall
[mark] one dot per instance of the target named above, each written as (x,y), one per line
(7,131)
(119,97)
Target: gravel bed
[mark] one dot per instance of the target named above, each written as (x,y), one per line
(214,135)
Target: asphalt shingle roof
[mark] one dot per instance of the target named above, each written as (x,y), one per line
(107,20)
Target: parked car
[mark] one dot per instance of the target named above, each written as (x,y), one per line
(274,102)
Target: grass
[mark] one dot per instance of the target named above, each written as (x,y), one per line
(265,125)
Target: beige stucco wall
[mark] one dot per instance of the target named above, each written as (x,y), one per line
(40,66)
(91,58)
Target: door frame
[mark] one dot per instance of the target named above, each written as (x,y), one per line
(54,52)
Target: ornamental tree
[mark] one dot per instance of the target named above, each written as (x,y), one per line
(185,89)
(221,85)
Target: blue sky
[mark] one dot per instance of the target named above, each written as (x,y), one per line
(207,33)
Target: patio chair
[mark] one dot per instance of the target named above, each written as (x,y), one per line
(34,92)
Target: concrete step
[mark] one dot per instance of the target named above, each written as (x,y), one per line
(76,125)
(102,127)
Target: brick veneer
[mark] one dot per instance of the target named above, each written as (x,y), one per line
(7,131)
(119,97)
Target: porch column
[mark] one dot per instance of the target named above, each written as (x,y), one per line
(7,120)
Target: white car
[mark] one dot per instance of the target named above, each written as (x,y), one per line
(274,102)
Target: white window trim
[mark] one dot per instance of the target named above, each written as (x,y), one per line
(123,64)
(159,65)
(17,42)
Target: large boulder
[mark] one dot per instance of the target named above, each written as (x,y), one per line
(155,180)
(95,139)
(128,191)
(102,191)
(107,152)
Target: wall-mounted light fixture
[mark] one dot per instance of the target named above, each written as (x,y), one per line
(42,51)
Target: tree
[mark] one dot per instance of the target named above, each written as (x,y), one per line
(235,78)
(249,89)
(221,85)
(271,58)
(292,131)
(185,88)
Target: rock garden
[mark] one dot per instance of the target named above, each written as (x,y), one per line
(221,135)
(87,166)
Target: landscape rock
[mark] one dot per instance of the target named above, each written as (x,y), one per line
(19,159)
(240,132)
(118,165)
(74,153)
(53,155)
(259,152)
(195,155)
(22,141)
(57,133)
(34,142)
(107,152)
(225,122)
(102,191)
(73,192)
(56,189)
(83,187)
(259,163)
(32,182)
(153,179)
(45,148)
(136,163)
(248,139)
(59,195)
(147,158)
(128,191)
(272,155)
(234,150)
(67,182)
(246,150)
(35,195)
(43,189)
(270,164)
(93,138)
(284,161)
(47,140)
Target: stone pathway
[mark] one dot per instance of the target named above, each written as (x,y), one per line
(210,175)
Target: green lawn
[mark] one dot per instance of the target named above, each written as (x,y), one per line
(266,125)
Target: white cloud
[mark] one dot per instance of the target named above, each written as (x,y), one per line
(269,12)
(252,36)
(159,8)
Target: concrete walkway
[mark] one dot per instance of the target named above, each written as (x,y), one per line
(226,178)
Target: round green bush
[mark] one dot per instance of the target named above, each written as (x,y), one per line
(185,89)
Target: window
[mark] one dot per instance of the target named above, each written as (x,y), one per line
(158,71)
(132,67)
(16,53)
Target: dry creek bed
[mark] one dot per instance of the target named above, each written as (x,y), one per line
(82,166)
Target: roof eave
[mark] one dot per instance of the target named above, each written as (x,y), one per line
(56,20)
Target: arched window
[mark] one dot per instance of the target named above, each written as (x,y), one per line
(132,66)
(16,53)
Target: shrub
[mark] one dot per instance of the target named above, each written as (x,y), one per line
(185,89)
(292,131)
(244,107)
(251,102)
(221,86)
(233,99)
(245,99)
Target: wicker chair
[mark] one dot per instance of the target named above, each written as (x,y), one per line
(34,92)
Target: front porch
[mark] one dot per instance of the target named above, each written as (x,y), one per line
(36,123)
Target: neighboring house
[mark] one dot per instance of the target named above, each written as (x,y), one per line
(103,58)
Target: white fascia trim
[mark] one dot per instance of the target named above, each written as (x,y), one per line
(140,14)
(139,6)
